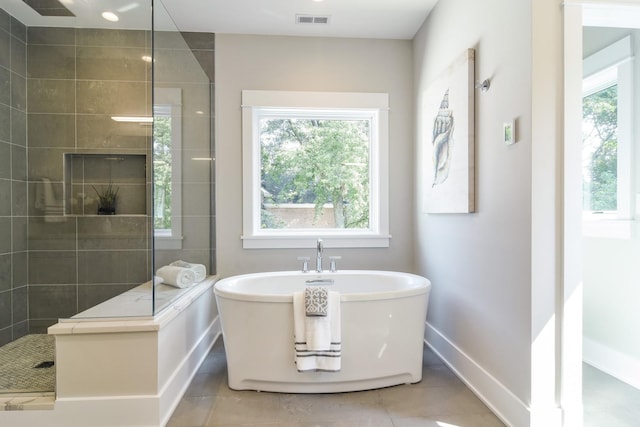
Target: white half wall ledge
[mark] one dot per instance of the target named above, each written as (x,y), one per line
(502,402)
(127,373)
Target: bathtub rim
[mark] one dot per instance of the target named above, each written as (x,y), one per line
(222,289)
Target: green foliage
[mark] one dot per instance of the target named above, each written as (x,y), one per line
(107,197)
(600,117)
(162,172)
(318,161)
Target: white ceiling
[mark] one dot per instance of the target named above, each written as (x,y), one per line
(387,19)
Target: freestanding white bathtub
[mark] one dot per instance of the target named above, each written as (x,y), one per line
(382,326)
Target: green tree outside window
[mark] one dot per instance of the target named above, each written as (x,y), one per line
(600,150)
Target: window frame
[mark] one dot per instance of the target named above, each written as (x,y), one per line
(614,65)
(257,102)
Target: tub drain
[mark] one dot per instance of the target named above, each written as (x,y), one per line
(47,364)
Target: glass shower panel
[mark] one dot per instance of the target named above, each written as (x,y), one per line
(81,205)
(81,233)
(182,151)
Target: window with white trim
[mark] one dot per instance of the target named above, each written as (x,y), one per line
(607,139)
(167,168)
(315,166)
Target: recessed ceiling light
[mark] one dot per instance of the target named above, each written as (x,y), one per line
(147,58)
(110,16)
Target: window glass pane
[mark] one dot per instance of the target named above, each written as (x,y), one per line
(315,172)
(162,172)
(600,150)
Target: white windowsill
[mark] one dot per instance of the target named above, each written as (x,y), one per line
(309,241)
(609,228)
(167,242)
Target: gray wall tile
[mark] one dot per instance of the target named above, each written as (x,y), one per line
(5,272)
(18,92)
(46,163)
(18,127)
(51,96)
(198,41)
(5,199)
(51,130)
(112,232)
(52,267)
(51,62)
(51,36)
(111,97)
(18,163)
(19,225)
(20,304)
(6,333)
(100,131)
(98,267)
(18,56)
(5,160)
(50,236)
(5,309)
(5,123)
(18,29)
(20,329)
(5,49)
(104,37)
(52,302)
(19,198)
(111,63)
(19,269)
(5,85)
(5,20)
(5,235)
(40,326)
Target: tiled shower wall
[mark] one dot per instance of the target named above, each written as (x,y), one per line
(73,81)
(13,180)
(76,80)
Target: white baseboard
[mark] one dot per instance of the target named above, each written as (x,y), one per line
(502,402)
(612,362)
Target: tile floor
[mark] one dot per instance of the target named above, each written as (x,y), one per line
(439,400)
(607,401)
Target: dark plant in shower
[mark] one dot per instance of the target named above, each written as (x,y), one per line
(107,198)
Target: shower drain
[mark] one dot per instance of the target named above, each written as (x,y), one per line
(47,364)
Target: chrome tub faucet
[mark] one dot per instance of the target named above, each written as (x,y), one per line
(319,256)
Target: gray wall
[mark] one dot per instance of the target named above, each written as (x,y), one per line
(13,180)
(311,64)
(480,263)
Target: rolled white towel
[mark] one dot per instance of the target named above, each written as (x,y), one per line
(199,269)
(176,276)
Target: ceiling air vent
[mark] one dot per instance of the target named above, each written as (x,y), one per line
(49,7)
(311,19)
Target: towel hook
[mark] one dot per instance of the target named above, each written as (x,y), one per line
(484,85)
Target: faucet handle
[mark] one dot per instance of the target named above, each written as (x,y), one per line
(305,263)
(332,263)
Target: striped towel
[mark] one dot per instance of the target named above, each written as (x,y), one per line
(317,342)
